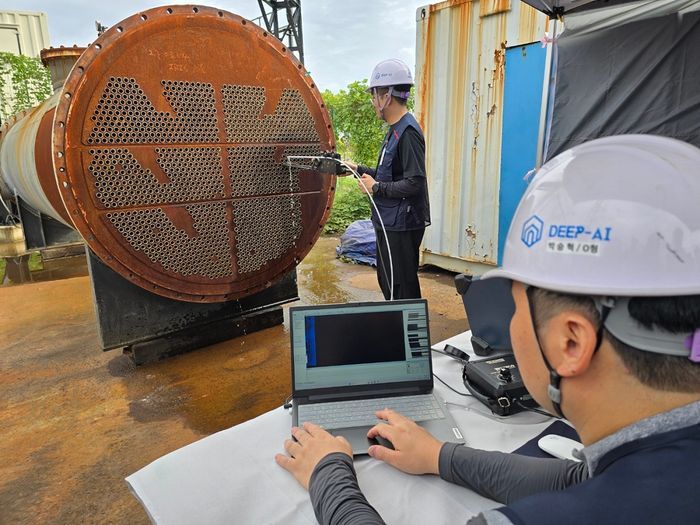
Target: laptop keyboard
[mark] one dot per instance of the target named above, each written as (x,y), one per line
(360,412)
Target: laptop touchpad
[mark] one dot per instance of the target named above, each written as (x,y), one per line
(357,437)
(379,440)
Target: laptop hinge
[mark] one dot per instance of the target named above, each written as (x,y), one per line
(367,393)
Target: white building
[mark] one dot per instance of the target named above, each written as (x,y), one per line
(23,32)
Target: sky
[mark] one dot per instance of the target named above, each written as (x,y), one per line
(343,39)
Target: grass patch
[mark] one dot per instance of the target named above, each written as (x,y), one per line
(3,263)
(35,262)
(349,205)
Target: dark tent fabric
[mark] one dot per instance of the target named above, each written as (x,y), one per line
(640,77)
(359,243)
(550,7)
(554,7)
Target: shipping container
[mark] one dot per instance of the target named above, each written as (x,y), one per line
(480,80)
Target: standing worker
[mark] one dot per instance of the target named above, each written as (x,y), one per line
(398,184)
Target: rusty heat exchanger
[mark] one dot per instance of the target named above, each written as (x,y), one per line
(166,150)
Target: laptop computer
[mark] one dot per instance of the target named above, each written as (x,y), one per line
(349,360)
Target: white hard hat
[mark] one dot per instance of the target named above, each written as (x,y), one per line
(392,72)
(616,216)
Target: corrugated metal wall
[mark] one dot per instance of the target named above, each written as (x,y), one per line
(21,33)
(460,57)
(32,28)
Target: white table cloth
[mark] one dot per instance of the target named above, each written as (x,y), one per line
(231,476)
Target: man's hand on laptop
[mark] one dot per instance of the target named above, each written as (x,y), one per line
(416,451)
(311,446)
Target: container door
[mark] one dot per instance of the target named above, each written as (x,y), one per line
(522,110)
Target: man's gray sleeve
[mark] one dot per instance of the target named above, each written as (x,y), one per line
(506,477)
(337,499)
(336,496)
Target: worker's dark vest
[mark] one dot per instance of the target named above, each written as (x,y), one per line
(396,213)
(649,481)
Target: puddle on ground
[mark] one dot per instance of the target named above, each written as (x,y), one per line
(318,274)
(31,268)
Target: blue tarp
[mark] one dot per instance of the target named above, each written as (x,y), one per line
(359,243)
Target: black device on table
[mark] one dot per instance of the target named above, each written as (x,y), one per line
(494,380)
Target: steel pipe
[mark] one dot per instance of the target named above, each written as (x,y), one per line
(25,161)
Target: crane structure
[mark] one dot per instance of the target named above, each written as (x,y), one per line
(274,11)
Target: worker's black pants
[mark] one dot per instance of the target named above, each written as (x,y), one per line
(404,255)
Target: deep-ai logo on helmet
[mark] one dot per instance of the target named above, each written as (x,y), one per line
(532,231)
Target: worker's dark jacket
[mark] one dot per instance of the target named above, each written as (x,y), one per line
(652,480)
(407,209)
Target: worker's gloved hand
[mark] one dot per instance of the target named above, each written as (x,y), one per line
(311,446)
(416,451)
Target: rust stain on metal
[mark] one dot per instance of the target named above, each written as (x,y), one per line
(44,164)
(527,24)
(424,93)
(495,117)
(471,232)
(456,152)
(473,157)
(499,62)
(493,7)
(496,89)
(13,120)
(475,112)
(51,53)
(447,4)
(180,119)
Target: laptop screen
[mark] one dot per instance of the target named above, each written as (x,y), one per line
(360,344)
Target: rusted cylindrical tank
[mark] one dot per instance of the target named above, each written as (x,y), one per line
(166,150)
(25,159)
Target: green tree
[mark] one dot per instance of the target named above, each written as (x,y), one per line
(358,135)
(24,82)
(358,131)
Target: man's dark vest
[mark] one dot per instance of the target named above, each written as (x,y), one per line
(652,480)
(396,213)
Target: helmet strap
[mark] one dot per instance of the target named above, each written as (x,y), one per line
(554,388)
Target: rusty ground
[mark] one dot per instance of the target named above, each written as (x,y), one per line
(74,421)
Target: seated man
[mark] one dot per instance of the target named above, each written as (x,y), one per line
(604,258)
